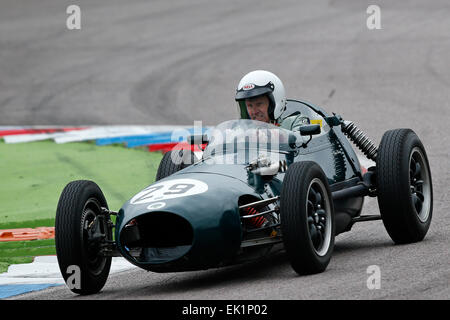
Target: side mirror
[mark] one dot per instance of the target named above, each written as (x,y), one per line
(197,139)
(310,130)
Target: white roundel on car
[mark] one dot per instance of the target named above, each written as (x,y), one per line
(169,189)
(156,205)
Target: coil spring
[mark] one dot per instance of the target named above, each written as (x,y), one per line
(339,161)
(360,139)
(257,222)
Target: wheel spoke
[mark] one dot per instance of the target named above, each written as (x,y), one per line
(321,213)
(418,170)
(420,196)
(310,208)
(318,198)
(320,240)
(417,203)
(312,196)
(322,226)
(313,232)
(419,183)
(412,168)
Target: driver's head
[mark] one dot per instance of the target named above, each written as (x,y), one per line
(260,95)
(258,108)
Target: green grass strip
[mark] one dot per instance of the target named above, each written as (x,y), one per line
(6,262)
(34,174)
(26,244)
(28,224)
(15,252)
(28,252)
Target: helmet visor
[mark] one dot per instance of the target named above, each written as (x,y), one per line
(251,91)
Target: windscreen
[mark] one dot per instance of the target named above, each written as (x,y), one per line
(240,141)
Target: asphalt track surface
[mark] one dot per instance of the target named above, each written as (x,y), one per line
(173,62)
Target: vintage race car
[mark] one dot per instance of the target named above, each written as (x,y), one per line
(256,188)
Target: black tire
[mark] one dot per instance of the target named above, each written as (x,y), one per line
(173,161)
(405,192)
(78,206)
(309,249)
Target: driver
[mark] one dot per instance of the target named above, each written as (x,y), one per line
(260,96)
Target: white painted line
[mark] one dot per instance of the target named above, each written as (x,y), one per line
(20,138)
(90,133)
(112,131)
(45,270)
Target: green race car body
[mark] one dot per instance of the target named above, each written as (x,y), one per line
(192,218)
(255,189)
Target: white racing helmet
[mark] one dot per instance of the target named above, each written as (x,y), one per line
(258,83)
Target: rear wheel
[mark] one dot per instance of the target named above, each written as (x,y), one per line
(307,218)
(405,192)
(80,232)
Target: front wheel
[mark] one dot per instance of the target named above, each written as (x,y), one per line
(405,192)
(173,161)
(81,230)
(307,218)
